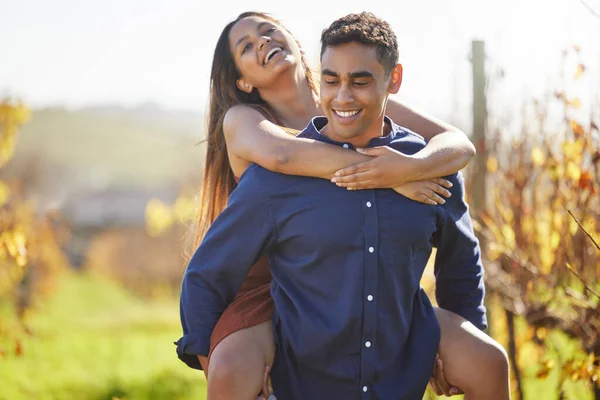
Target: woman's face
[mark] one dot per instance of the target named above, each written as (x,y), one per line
(262,50)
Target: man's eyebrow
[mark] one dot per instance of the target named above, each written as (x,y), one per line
(361,74)
(352,75)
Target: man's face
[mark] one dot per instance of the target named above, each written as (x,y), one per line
(354,92)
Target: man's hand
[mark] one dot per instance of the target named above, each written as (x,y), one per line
(387,169)
(204,364)
(438,382)
(266,393)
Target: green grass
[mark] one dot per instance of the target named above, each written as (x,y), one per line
(95,341)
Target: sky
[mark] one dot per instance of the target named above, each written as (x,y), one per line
(87,52)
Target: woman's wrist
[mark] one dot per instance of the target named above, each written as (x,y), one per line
(414,167)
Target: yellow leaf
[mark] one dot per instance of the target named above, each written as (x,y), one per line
(159,217)
(570,149)
(494,251)
(556,172)
(554,240)
(509,236)
(588,224)
(21,260)
(558,220)
(576,128)
(492,164)
(579,70)
(575,103)
(573,227)
(7,147)
(527,225)
(547,365)
(543,373)
(547,260)
(537,156)
(22,114)
(591,358)
(11,246)
(4,193)
(573,171)
(184,209)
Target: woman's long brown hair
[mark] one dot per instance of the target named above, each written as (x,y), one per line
(219,181)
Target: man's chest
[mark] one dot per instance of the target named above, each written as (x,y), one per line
(313,214)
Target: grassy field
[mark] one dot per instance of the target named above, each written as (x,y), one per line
(125,148)
(94,341)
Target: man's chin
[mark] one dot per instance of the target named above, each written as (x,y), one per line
(343,133)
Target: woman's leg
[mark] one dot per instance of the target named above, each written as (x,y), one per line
(237,364)
(472,361)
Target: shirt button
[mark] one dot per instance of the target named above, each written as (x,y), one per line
(365,388)
(370,298)
(346,145)
(368,344)
(371,249)
(369,204)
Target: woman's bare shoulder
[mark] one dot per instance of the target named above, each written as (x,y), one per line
(242,115)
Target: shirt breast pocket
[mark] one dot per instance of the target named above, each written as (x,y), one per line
(411,227)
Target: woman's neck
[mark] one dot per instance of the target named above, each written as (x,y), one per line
(292,100)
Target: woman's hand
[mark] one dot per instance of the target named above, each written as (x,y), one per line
(388,168)
(430,191)
(438,382)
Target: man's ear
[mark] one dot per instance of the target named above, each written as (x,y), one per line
(244,86)
(396,80)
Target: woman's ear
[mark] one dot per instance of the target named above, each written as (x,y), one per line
(244,86)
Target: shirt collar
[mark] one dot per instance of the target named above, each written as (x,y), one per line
(312,131)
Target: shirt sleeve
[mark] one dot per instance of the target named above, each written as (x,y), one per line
(235,241)
(458,268)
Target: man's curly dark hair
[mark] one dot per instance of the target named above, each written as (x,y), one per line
(367,29)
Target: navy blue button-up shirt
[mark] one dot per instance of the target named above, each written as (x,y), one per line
(351,319)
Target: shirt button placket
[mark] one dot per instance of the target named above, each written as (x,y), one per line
(369,358)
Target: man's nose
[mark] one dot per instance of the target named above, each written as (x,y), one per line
(344,95)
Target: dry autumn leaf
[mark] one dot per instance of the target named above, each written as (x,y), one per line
(492,164)
(537,156)
(579,71)
(576,128)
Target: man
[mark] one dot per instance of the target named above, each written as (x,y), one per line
(351,320)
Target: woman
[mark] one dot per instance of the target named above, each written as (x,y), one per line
(260,82)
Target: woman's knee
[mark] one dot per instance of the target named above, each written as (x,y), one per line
(238,361)
(496,360)
(225,366)
(471,358)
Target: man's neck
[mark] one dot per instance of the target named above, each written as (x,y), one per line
(292,100)
(363,140)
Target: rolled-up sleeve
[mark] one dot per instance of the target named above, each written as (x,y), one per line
(238,237)
(458,267)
